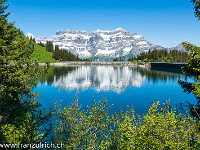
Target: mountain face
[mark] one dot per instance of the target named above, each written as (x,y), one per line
(179,47)
(100,43)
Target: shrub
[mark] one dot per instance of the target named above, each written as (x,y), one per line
(159,128)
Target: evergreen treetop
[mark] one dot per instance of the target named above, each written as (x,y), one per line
(19,113)
(196,8)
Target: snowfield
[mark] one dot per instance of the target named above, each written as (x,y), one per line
(113,43)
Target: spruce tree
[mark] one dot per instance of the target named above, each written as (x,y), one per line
(193,69)
(17,77)
(196,4)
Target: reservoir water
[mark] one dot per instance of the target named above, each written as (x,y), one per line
(122,85)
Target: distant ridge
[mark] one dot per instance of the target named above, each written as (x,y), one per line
(102,43)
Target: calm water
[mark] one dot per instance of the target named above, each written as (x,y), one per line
(121,85)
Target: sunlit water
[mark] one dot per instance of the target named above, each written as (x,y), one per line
(122,86)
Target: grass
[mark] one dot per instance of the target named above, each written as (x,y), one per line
(41,55)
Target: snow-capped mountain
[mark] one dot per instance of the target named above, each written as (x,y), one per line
(29,35)
(179,47)
(100,42)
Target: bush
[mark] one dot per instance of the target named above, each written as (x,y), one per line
(159,128)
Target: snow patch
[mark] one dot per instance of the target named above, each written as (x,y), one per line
(127,49)
(119,29)
(137,36)
(105,52)
(142,43)
(29,35)
(105,37)
(84,53)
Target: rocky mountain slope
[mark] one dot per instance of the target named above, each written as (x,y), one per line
(100,43)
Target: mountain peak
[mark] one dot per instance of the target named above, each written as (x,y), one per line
(120,29)
(101,31)
(29,35)
(100,43)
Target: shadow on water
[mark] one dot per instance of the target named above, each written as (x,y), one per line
(163,74)
(55,73)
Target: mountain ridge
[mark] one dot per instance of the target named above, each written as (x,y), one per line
(115,43)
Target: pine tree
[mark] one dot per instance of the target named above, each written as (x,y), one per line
(17,77)
(193,69)
(64,55)
(115,59)
(49,46)
(196,8)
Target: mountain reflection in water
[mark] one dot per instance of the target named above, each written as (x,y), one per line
(103,78)
(122,85)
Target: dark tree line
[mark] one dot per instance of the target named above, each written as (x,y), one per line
(31,41)
(64,55)
(49,47)
(118,59)
(41,44)
(132,58)
(60,54)
(164,56)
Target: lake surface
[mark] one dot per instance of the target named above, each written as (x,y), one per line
(122,85)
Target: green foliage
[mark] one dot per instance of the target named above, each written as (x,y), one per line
(115,59)
(132,58)
(49,46)
(134,61)
(41,55)
(121,59)
(196,4)
(41,44)
(164,56)
(32,124)
(20,116)
(54,73)
(193,69)
(51,54)
(82,129)
(159,128)
(193,66)
(3,7)
(64,55)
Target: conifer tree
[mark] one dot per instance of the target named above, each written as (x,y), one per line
(196,8)
(115,59)
(164,56)
(49,46)
(64,55)
(17,77)
(193,69)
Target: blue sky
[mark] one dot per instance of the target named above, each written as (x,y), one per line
(167,23)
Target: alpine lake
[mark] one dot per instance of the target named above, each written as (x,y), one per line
(123,87)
